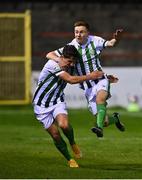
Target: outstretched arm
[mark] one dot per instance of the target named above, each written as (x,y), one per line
(116,37)
(78,79)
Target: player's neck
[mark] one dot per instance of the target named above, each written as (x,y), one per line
(83,42)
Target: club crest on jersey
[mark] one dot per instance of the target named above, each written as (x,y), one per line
(92,52)
(57,68)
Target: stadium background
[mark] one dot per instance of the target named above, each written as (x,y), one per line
(52,27)
(26,150)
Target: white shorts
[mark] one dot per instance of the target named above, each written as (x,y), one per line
(92,92)
(47,115)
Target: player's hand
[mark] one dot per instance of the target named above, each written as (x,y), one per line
(96,74)
(117,35)
(112,79)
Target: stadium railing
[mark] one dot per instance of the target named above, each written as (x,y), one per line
(15,58)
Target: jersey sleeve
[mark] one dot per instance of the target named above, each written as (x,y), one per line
(59,51)
(50,68)
(53,67)
(100,42)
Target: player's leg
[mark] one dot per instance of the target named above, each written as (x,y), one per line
(102,93)
(46,118)
(101,110)
(102,116)
(61,115)
(61,145)
(96,98)
(58,141)
(69,133)
(66,127)
(93,107)
(114,119)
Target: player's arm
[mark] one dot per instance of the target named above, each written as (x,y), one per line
(78,79)
(116,37)
(52,55)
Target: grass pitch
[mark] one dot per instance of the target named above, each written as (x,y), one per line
(27,151)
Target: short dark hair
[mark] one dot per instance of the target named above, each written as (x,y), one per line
(70,51)
(82,23)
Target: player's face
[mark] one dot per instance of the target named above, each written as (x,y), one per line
(81,34)
(70,61)
(66,63)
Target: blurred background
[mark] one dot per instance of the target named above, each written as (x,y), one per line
(30,29)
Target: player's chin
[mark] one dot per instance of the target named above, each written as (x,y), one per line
(79,40)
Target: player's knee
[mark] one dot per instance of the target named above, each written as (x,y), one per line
(64,125)
(94,113)
(101,100)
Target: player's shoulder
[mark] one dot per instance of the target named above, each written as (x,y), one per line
(97,40)
(94,37)
(51,65)
(50,62)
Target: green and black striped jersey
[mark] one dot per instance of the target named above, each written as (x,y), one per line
(89,57)
(50,89)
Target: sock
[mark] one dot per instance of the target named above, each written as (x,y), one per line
(101,113)
(69,134)
(62,147)
(112,120)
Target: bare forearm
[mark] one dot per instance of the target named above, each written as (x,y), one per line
(115,39)
(53,56)
(78,79)
(111,43)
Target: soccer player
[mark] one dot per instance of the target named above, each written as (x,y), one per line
(48,101)
(98,91)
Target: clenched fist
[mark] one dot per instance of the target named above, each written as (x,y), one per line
(117,34)
(112,79)
(96,74)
